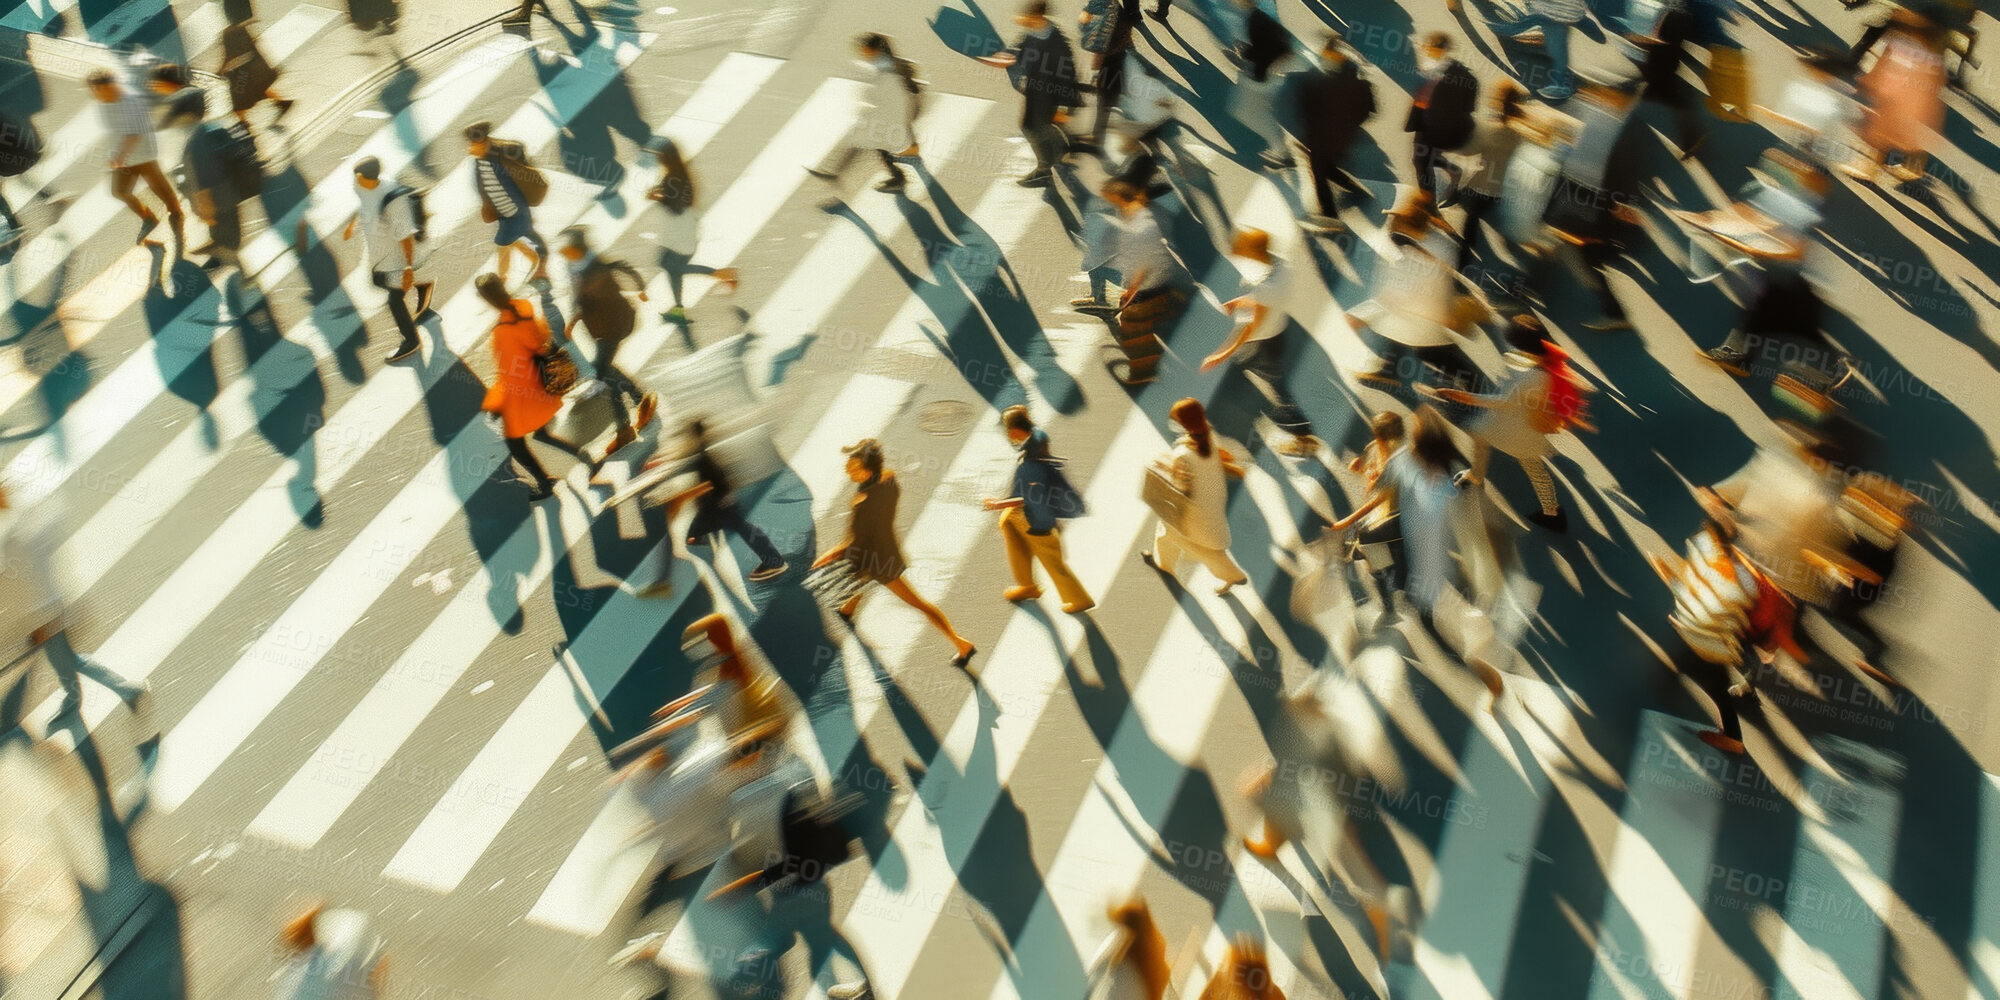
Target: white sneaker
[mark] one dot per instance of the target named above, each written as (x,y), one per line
(850,991)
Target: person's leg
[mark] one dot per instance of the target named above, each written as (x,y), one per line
(1048,550)
(1271,364)
(157,183)
(835,162)
(525,458)
(536,251)
(1323,168)
(1220,563)
(1014,538)
(506,259)
(620,386)
(1422,159)
(399,310)
(122,181)
(1476,207)
(70,663)
(1544,484)
(753,536)
(910,597)
(1038,126)
(896,178)
(1556,43)
(1110,86)
(546,437)
(1166,549)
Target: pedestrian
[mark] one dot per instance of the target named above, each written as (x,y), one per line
(1199,469)
(251,77)
(1596,193)
(1334,102)
(1245,974)
(888,116)
(1379,542)
(1663,51)
(1904,93)
(1440,117)
(717,510)
(1267,342)
(374,17)
(1552,19)
(1132,962)
(221,162)
(1105,31)
(678,197)
(1542,398)
(1042,68)
(517,399)
(871,549)
(601,306)
(1817,110)
(1415,316)
(1773,230)
(128,120)
(37,619)
(387,217)
(1491,151)
(1041,496)
(1265,54)
(1722,601)
(1440,523)
(1147,106)
(1150,275)
(335,955)
(497,178)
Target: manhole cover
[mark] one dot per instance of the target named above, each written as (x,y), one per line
(945,417)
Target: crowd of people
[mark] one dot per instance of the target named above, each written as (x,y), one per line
(1515,199)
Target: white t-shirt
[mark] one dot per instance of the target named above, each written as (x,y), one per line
(383,227)
(1273,287)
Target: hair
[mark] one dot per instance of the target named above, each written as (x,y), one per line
(677,182)
(494,291)
(1438,40)
(1507,96)
(1147,951)
(1119,189)
(478,131)
(369,167)
(1430,440)
(1245,975)
(868,452)
(1015,418)
(1331,44)
(1386,426)
(1036,8)
(1194,420)
(100,78)
(1251,242)
(1525,332)
(173,73)
(298,932)
(875,41)
(576,236)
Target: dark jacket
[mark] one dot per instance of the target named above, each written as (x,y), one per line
(1265,43)
(1044,70)
(1334,104)
(871,538)
(601,302)
(1441,116)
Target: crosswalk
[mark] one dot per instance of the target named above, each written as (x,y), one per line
(304,724)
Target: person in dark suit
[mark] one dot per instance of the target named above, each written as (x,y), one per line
(1105,31)
(1264,52)
(1043,69)
(601,305)
(1441,116)
(1333,103)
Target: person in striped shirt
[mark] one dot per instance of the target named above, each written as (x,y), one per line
(128,120)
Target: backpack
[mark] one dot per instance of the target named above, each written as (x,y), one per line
(241,162)
(1064,499)
(908,71)
(417,209)
(514,160)
(20,145)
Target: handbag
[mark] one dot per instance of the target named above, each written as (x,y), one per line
(1164,498)
(1728,80)
(833,584)
(556,369)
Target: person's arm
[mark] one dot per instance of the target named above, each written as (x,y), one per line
(1240,336)
(1003,58)
(1360,512)
(831,554)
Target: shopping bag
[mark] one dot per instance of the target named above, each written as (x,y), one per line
(833,584)
(1728,80)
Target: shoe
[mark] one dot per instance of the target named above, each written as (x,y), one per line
(640,949)
(1905,173)
(1091,308)
(771,572)
(1079,607)
(541,491)
(1301,446)
(1324,224)
(1488,675)
(1557,522)
(850,991)
(1379,377)
(1688,152)
(406,352)
(204,250)
(284,106)
(913,153)
(1147,558)
(1554,94)
(1017,594)
(1040,178)
(146,227)
(1734,362)
(425,292)
(1721,742)
(649,404)
(726,277)
(677,316)
(1260,847)
(1223,591)
(625,436)
(1532,36)
(825,175)
(964,658)
(1607,324)
(891,186)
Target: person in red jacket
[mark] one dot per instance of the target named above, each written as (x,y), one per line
(516,397)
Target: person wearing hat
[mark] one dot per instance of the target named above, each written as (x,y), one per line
(871,548)
(135,150)
(501,202)
(1040,496)
(601,305)
(1266,343)
(387,218)
(1540,399)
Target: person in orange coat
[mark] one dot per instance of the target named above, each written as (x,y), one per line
(516,396)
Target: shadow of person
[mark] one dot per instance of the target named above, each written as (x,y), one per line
(286,393)
(395,97)
(584,135)
(127,910)
(285,193)
(183,342)
(968,32)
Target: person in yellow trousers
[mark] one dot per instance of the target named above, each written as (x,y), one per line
(1041,496)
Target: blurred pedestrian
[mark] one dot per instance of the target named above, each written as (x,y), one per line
(1200,469)
(389,226)
(335,955)
(1378,543)
(601,306)
(222,165)
(1551,19)
(717,510)
(1150,275)
(1540,399)
(1148,107)
(1816,112)
(251,76)
(1245,974)
(1596,194)
(498,173)
(1415,316)
(1267,342)
(128,120)
(1904,91)
(1105,31)
(1721,602)
(1440,117)
(1042,68)
(1265,54)
(1041,496)
(517,399)
(1663,50)
(1132,962)
(678,196)
(1772,229)
(871,549)
(1491,150)
(1334,102)
(888,116)
(37,619)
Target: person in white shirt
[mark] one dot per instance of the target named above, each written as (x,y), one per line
(681,237)
(387,217)
(36,619)
(128,120)
(886,117)
(1260,344)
